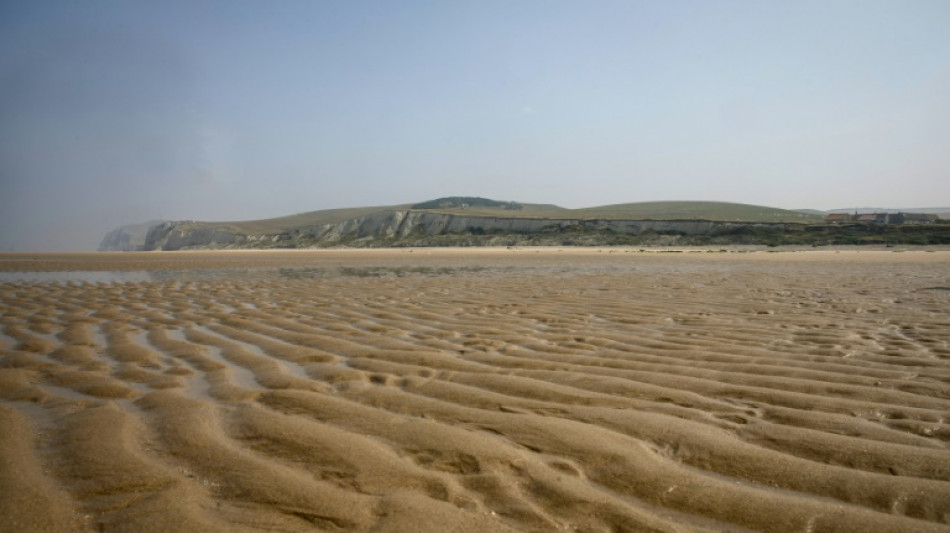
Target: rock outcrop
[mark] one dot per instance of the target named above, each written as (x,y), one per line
(130,238)
(412,227)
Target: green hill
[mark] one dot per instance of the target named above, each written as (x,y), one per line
(718,211)
(491,208)
(464,202)
(474,206)
(310,218)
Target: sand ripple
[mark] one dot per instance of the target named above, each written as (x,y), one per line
(572,391)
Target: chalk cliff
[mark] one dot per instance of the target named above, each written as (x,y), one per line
(128,238)
(413,227)
(474,221)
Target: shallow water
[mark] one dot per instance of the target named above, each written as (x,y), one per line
(137,276)
(305,273)
(76,276)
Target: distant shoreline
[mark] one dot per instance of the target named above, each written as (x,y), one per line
(301,258)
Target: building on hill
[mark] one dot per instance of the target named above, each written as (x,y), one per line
(919,218)
(881,218)
(837,218)
(895,218)
(872,218)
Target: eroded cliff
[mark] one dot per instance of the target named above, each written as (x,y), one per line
(421,228)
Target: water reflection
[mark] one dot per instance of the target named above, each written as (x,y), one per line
(136,276)
(76,276)
(363,271)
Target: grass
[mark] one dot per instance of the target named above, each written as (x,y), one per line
(525,211)
(300,220)
(719,211)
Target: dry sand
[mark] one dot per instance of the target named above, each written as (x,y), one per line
(454,390)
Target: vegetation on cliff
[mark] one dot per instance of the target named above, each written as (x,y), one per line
(464,202)
(472,221)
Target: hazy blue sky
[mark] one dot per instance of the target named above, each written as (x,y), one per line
(120,112)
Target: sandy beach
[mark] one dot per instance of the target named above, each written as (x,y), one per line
(407,390)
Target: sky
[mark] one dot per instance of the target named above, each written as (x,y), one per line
(115,113)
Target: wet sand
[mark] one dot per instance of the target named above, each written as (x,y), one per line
(475,390)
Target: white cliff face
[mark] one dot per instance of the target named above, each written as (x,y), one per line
(389,227)
(117,240)
(128,238)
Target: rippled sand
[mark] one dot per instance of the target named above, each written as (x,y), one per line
(526,390)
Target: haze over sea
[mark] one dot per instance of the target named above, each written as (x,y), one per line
(474,390)
(115,112)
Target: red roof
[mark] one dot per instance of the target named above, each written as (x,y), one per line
(835,217)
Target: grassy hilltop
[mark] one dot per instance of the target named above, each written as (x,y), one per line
(474,206)
(716,211)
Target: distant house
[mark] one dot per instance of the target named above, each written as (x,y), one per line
(895,218)
(872,218)
(837,218)
(919,218)
(881,218)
